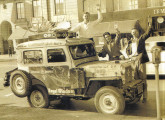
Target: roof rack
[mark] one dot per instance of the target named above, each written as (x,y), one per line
(53,35)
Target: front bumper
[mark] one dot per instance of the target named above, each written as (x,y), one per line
(134,89)
(7,78)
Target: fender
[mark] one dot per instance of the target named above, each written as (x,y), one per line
(37,82)
(95,84)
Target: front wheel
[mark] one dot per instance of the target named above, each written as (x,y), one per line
(109,100)
(39,97)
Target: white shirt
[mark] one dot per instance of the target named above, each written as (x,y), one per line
(85,30)
(134,48)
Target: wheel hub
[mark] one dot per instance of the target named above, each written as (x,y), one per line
(37,98)
(19,84)
(108,103)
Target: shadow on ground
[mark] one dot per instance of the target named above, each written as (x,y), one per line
(80,107)
(147,109)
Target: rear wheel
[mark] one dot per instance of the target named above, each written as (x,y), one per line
(109,100)
(39,97)
(20,83)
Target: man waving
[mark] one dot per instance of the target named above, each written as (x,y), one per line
(85,28)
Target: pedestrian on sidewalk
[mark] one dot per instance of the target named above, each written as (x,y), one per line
(10,51)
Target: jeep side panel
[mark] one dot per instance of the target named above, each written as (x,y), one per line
(53,76)
(53,70)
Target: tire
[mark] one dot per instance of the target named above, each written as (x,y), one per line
(109,100)
(39,97)
(20,83)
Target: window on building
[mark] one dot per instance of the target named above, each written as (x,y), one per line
(133,4)
(32,57)
(56,55)
(20,10)
(155,3)
(120,5)
(37,9)
(59,7)
(158,26)
(163,2)
(91,7)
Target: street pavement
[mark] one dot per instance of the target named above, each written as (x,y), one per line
(7,58)
(15,108)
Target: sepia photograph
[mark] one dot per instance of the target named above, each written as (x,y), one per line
(82,59)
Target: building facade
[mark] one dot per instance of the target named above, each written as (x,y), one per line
(21,15)
(17,16)
(124,10)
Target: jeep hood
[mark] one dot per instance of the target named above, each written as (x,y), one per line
(102,68)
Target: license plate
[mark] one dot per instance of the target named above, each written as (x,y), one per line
(140,89)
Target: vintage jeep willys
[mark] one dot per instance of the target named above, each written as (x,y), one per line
(51,68)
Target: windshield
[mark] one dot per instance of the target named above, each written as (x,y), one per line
(82,51)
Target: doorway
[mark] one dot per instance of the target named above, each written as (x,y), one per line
(5,32)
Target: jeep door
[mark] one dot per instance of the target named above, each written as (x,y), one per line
(57,68)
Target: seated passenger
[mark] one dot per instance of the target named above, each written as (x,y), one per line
(78,51)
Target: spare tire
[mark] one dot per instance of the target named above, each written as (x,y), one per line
(20,83)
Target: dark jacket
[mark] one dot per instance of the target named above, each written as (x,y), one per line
(114,53)
(141,46)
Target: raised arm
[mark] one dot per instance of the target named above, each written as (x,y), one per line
(146,34)
(118,37)
(100,17)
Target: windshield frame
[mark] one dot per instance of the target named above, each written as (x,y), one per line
(93,54)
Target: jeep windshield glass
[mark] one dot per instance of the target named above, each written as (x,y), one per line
(82,51)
